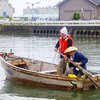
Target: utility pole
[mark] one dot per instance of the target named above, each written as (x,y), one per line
(32,8)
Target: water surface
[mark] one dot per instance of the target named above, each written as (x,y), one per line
(42,48)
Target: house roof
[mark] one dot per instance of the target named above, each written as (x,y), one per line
(96,2)
(61,2)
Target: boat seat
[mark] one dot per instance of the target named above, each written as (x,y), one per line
(48,72)
(19,62)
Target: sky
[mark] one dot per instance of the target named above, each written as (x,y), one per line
(19,5)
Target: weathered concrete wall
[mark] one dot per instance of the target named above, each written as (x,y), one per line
(52,30)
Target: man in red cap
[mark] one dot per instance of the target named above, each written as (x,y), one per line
(63,43)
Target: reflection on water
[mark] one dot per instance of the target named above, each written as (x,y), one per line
(41,48)
(22,92)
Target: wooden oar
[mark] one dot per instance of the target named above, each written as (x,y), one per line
(87,74)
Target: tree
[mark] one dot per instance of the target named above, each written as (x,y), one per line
(76,16)
(7,16)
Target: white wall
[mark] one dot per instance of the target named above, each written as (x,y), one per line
(6,7)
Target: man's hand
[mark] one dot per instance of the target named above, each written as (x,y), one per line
(55,49)
(77,64)
(66,58)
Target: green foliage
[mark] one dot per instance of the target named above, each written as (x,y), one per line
(1,17)
(7,17)
(10,19)
(76,16)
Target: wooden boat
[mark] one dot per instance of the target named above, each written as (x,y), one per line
(34,72)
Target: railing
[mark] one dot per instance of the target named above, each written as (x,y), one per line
(54,23)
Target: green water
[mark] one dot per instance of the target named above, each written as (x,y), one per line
(15,91)
(41,48)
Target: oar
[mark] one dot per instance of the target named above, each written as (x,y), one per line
(87,74)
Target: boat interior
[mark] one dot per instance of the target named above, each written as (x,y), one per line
(34,65)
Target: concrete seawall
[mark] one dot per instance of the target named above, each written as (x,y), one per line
(52,30)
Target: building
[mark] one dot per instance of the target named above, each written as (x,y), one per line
(88,9)
(41,13)
(6,8)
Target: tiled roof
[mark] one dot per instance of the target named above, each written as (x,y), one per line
(96,2)
(61,2)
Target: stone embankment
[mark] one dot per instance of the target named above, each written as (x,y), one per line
(83,28)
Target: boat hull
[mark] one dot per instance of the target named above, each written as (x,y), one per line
(29,77)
